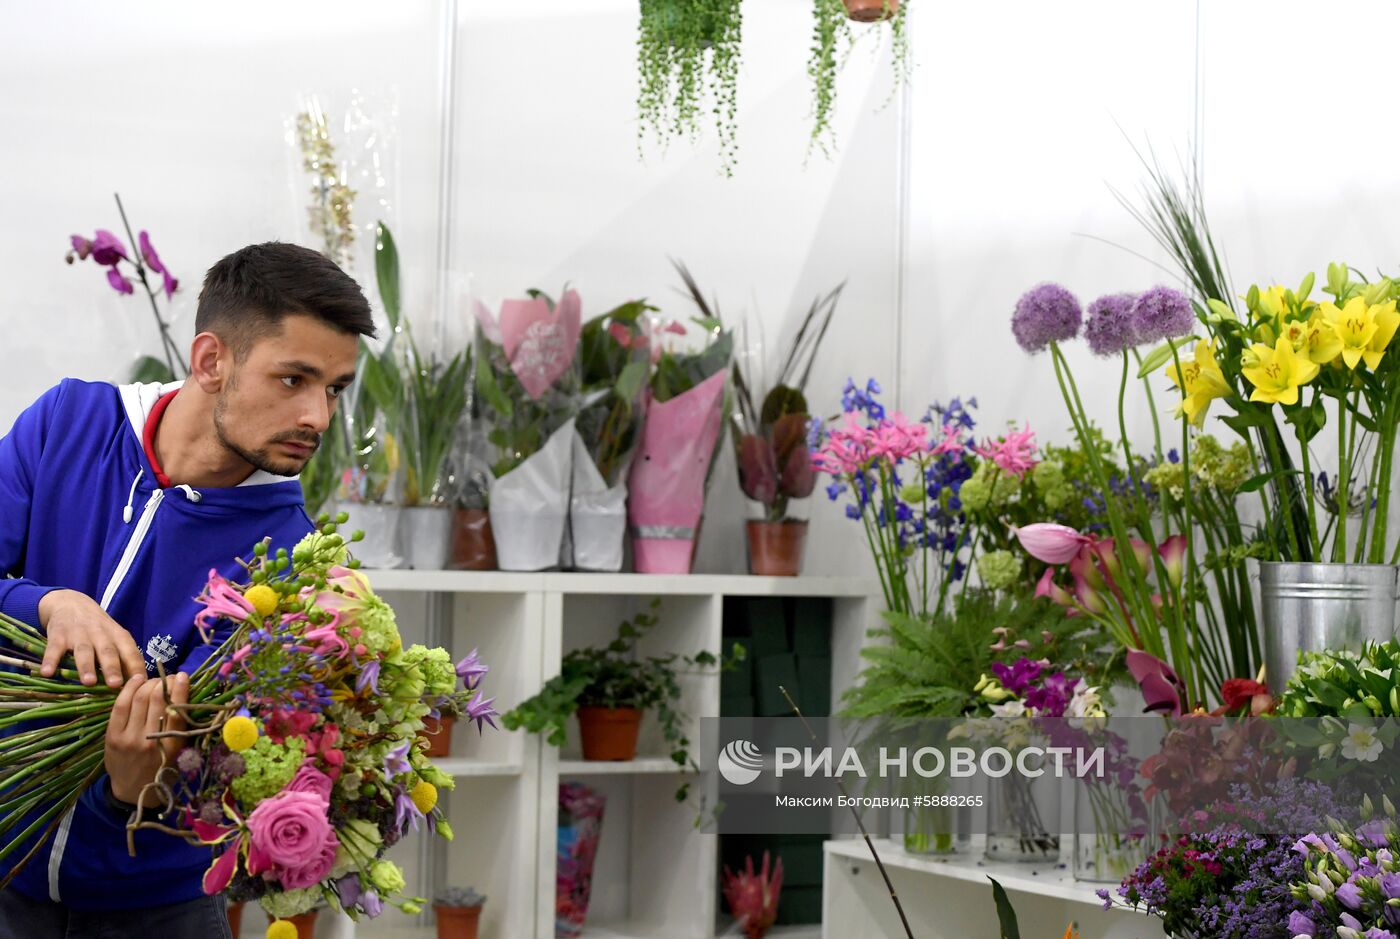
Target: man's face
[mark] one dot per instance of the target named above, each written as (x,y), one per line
(280,398)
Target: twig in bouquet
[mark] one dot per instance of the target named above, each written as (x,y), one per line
(894,897)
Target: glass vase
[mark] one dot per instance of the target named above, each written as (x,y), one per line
(1023,819)
(1110,840)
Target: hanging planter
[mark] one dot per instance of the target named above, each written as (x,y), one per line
(831,45)
(688,50)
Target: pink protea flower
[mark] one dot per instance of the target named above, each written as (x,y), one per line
(753,900)
(1014,453)
(1049,542)
(221,600)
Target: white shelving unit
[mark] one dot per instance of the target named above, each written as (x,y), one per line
(655,875)
(952,896)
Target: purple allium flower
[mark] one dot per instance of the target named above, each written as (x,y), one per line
(1046,313)
(1162,313)
(189,761)
(1110,327)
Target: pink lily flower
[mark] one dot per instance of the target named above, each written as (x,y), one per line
(221,601)
(1050,543)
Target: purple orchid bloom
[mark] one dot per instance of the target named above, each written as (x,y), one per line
(396,763)
(119,283)
(368,678)
(471,671)
(1017,678)
(148,252)
(107,248)
(479,709)
(81,247)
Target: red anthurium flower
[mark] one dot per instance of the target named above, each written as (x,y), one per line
(1239,693)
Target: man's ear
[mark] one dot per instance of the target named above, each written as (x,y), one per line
(211,362)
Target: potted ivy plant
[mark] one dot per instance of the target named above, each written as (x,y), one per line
(686,49)
(770,442)
(458,912)
(609,688)
(832,37)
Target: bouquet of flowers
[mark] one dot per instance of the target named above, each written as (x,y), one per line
(300,763)
(1350,879)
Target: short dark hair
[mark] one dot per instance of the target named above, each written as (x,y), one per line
(247,294)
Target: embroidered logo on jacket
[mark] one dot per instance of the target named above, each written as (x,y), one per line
(160,649)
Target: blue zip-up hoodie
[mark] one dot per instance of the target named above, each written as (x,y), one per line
(80,509)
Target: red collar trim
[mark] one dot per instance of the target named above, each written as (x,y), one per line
(148,436)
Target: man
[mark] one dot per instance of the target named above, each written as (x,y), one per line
(115,503)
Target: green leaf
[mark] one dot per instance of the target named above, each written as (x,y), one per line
(630,381)
(1161,355)
(1006,914)
(386,272)
(1221,309)
(149,368)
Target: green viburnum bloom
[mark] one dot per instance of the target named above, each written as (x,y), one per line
(435,665)
(319,548)
(289,903)
(268,767)
(379,631)
(999,569)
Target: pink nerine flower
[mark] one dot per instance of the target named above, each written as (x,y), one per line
(952,441)
(897,439)
(847,449)
(1014,453)
(1051,543)
(290,834)
(221,601)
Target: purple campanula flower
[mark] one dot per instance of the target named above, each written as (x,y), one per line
(368,678)
(471,670)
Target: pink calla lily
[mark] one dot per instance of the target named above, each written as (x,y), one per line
(1162,690)
(1046,587)
(1050,543)
(1173,552)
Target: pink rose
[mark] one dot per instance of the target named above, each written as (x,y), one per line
(290,830)
(311,779)
(313,872)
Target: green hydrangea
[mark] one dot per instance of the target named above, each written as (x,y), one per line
(439,674)
(288,903)
(320,550)
(999,569)
(379,631)
(1047,476)
(268,767)
(1167,477)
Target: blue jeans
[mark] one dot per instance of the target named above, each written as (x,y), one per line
(24,918)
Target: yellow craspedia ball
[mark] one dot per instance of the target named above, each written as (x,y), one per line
(240,733)
(262,598)
(282,929)
(424,795)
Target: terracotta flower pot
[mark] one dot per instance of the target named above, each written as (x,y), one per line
(304,922)
(609,733)
(868,11)
(473,546)
(235,917)
(438,732)
(457,922)
(776,548)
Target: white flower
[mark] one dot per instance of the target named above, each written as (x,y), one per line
(1085,702)
(1016,708)
(1361,743)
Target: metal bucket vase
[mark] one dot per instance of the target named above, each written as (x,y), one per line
(1312,607)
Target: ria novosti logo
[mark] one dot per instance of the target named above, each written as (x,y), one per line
(740,762)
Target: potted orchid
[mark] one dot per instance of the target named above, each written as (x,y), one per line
(527,382)
(770,442)
(683,403)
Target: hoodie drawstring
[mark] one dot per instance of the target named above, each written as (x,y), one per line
(190,493)
(130,497)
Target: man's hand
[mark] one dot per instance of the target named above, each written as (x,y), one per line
(132,758)
(74,622)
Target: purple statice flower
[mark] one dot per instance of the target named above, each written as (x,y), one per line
(1162,313)
(1046,313)
(479,709)
(1110,327)
(368,678)
(471,670)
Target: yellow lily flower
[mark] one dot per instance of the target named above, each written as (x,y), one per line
(1277,373)
(1364,331)
(1201,380)
(1320,340)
